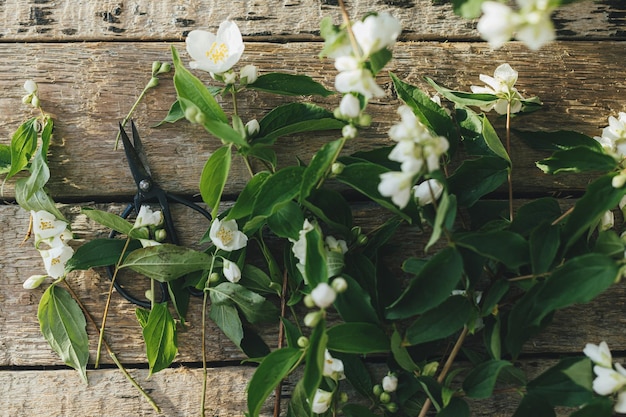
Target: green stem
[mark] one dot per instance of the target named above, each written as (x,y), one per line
(108,303)
(148,86)
(205,299)
(111,353)
(508,151)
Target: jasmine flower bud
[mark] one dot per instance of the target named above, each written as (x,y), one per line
(311,319)
(391,407)
(252,128)
(340,285)
(160,235)
(323,295)
(248,74)
(607,221)
(321,401)
(156,66)
(35,102)
(619,180)
(385,397)
(303,341)
(231,271)
(214,277)
(148,294)
(377,390)
(154,81)
(34,281)
(350,107)
(390,383)
(308,301)
(165,67)
(337,168)
(230,77)
(349,132)
(430,369)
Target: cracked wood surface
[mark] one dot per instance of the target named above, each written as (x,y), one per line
(92,58)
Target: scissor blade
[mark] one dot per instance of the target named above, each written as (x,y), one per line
(137,168)
(138,145)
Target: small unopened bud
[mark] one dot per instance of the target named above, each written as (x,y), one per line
(34,281)
(391,407)
(430,369)
(303,341)
(619,180)
(230,77)
(349,132)
(165,67)
(27,99)
(248,74)
(141,233)
(311,319)
(154,81)
(339,284)
(385,397)
(323,295)
(607,221)
(156,66)
(337,168)
(35,102)
(365,120)
(214,277)
(350,106)
(377,390)
(252,127)
(343,397)
(390,383)
(308,301)
(160,235)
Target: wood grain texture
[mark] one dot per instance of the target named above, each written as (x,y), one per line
(88,89)
(67,20)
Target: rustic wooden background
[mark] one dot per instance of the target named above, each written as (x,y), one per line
(92,58)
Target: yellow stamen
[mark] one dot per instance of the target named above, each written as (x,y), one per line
(55,261)
(45,225)
(217,52)
(226,236)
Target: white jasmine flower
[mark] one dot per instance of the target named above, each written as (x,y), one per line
(323,295)
(31,87)
(376,32)
(333,367)
(428,191)
(599,354)
(613,138)
(46,225)
(54,259)
(336,245)
(409,154)
(215,53)
(390,383)
(231,271)
(299,246)
(501,85)
(321,401)
(249,74)
(353,77)
(34,281)
(396,185)
(497,24)
(535,27)
(607,380)
(350,106)
(146,217)
(253,127)
(226,235)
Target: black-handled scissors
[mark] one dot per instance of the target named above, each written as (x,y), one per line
(148,191)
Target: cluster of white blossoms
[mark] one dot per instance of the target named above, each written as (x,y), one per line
(613,141)
(226,236)
(502,85)
(375,32)
(530,23)
(51,237)
(333,368)
(610,378)
(218,53)
(418,150)
(31,97)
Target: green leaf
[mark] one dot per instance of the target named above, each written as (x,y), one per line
(319,166)
(98,252)
(507,247)
(5,158)
(174,114)
(533,405)
(558,140)
(109,220)
(299,405)
(356,373)
(360,338)
(477,177)
(430,287)
(39,172)
(189,87)
(441,321)
(356,410)
(315,268)
(481,380)
(379,59)
(597,407)
(609,243)
(226,316)
(427,111)
(600,197)
(544,244)
(455,408)
(63,325)
(160,337)
(142,316)
(364,177)
(254,307)
(469,9)
(580,159)
(273,369)
(166,262)
(245,201)
(461,98)
(23,145)
(314,360)
(214,176)
(535,213)
(579,280)
(355,304)
(492,140)
(332,208)
(444,219)
(39,200)
(289,85)
(257,280)
(291,118)
(280,188)
(568,383)
(287,221)
(400,354)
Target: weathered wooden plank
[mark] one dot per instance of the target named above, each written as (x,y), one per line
(90,87)
(23,345)
(177,391)
(66,20)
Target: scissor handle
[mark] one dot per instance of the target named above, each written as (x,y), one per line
(147,304)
